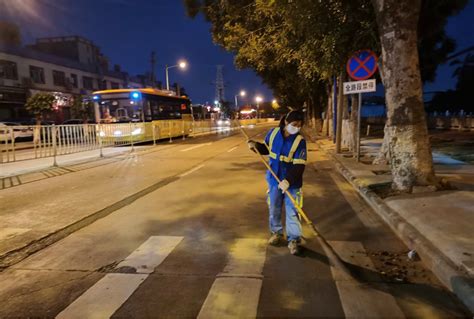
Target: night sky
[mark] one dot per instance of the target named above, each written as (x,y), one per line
(127,31)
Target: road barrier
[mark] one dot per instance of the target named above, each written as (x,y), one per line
(56,140)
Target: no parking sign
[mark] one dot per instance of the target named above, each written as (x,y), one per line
(362,65)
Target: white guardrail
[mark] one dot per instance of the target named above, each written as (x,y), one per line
(32,142)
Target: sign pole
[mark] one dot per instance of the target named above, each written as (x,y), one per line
(358,126)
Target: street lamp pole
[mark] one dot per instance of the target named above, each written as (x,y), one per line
(242,94)
(181,65)
(167,79)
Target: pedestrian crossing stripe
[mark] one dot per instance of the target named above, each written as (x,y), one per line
(109,293)
(236,291)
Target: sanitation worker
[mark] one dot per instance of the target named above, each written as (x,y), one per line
(286,149)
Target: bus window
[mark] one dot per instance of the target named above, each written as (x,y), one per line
(121,115)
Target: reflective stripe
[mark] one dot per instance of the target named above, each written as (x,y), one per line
(299,161)
(294,146)
(296,142)
(299,198)
(272,138)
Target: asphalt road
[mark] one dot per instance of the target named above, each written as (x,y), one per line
(192,243)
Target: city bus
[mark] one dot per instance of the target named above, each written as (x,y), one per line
(142,114)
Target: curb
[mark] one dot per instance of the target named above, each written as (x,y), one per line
(451,275)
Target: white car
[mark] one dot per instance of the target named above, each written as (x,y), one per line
(19,131)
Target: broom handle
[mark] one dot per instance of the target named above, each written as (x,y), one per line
(333,257)
(287,193)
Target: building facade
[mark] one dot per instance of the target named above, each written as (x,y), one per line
(63,66)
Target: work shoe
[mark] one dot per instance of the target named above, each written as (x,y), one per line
(294,247)
(275,239)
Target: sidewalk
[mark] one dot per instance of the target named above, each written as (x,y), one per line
(438,225)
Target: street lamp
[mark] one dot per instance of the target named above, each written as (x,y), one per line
(181,65)
(258,99)
(242,94)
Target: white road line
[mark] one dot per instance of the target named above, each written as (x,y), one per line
(232,149)
(360,300)
(150,254)
(104,298)
(191,170)
(236,291)
(194,147)
(109,293)
(7,233)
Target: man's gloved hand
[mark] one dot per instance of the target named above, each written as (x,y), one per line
(251,144)
(284,185)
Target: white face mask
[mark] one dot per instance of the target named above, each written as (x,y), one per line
(292,129)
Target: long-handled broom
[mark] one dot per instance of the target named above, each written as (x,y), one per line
(333,257)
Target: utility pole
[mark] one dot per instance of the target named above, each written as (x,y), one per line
(340,106)
(220,93)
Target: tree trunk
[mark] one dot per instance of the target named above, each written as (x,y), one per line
(353,122)
(328,128)
(409,144)
(383,156)
(340,112)
(37,129)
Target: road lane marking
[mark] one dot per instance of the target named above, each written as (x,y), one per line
(107,295)
(232,149)
(236,291)
(194,147)
(360,300)
(191,171)
(150,254)
(104,298)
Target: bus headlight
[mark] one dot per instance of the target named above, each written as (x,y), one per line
(136,131)
(117,133)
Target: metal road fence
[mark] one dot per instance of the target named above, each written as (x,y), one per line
(56,140)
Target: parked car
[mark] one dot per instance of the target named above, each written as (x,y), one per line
(20,132)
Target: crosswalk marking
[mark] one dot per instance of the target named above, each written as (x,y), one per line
(109,293)
(236,291)
(150,254)
(194,147)
(360,300)
(246,257)
(104,298)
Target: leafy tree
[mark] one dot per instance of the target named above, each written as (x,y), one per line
(82,109)
(40,104)
(434,45)
(465,82)
(296,47)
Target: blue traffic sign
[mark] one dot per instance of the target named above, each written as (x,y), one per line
(362,65)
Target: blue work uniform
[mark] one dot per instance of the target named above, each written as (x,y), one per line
(284,154)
